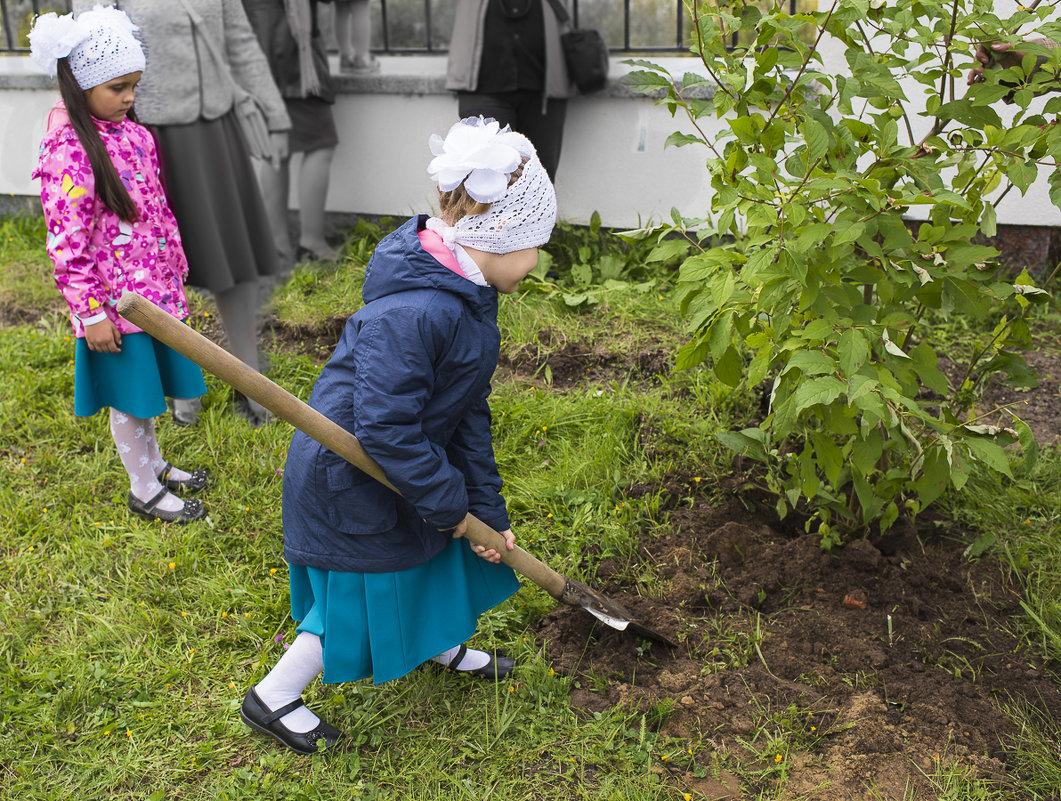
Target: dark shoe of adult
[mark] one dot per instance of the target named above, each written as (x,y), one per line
(185,411)
(192,509)
(195,482)
(252,411)
(260,718)
(496,669)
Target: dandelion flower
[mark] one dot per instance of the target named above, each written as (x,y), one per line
(778,758)
(224,614)
(128,733)
(687,796)
(108,731)
(172,565)
(272,571)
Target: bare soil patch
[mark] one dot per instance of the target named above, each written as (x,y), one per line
(875,702)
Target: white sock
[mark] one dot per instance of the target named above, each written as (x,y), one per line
(132,436)
(472,660)
(300,665)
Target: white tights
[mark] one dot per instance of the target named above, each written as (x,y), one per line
(304,661)
(135,439)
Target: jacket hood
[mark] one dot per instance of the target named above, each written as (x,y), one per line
(400,264)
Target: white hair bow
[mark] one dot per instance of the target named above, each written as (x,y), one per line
(54,37)
(479,153)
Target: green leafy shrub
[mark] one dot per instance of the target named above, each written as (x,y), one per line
(807,274)
(582,263)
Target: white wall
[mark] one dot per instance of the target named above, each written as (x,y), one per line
(613,157)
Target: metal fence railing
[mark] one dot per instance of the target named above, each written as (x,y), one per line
(424,26)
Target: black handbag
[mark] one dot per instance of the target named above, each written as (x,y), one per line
(585,52)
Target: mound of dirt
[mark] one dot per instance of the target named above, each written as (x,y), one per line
(870,663)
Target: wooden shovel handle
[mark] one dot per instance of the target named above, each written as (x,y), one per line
(282,403)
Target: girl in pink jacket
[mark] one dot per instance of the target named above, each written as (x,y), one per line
(110,231)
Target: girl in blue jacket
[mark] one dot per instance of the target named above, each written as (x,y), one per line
(383,583)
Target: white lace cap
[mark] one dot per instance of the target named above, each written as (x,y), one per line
(482,155)
(99,44)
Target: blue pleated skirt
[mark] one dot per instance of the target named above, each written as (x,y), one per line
(135,381)
(384,625)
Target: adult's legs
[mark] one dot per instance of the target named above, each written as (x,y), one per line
(275,183)
(343,18)
(238,307)
(361,32)
(523,112)
(545,128)
(313,176)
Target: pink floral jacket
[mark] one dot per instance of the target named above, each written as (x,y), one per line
(97,255)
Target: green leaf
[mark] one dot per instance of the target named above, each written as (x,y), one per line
(1028,444)
(720,334)
(816,137)
(748,442)
(824,390)
(730,368)
(870,503)
(988,223)
(853,351)
(865,453)
(692,353)
(935,476)
(965,112)
(679,139)
(990,454)
(669,249)
(829,455)
(643,81)
(810,362)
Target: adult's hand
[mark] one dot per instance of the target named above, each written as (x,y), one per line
(987,55)
(280,147)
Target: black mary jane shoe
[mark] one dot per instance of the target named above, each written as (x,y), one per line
(496,669)
(192,509)
(197,481)
(260,718)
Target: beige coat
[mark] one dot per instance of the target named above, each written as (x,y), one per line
(182,82)
(466,49)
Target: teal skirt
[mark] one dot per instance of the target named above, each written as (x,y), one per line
(135,381)
(384,625)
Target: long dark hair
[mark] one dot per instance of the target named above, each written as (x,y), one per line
(109,186)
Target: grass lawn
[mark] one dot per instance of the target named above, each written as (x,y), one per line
(128,645)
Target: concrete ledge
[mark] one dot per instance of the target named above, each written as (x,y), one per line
(398,75)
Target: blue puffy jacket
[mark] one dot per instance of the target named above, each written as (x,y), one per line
(409,378)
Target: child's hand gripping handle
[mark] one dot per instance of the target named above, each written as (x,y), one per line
(279,401)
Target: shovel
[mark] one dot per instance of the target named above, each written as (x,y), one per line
(283,404)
